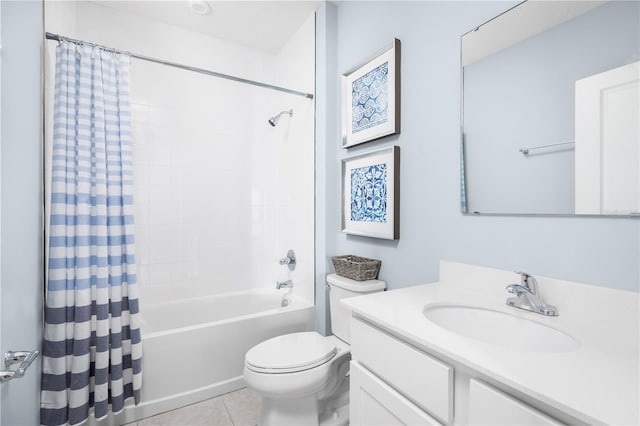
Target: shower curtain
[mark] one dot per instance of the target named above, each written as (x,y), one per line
(92,349)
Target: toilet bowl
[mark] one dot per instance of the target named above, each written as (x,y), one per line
(303,377)
(293,373)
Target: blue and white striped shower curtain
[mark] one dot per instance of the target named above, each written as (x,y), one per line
(91,350)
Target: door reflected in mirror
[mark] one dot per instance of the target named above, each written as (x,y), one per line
(551,110)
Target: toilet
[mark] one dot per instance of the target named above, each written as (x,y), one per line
(303,377)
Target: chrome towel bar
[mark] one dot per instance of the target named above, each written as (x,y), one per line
(525,149)
(25,358)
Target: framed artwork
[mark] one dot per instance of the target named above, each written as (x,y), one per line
(371,98)
(371,194)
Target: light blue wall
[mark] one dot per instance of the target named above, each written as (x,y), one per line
(538,75)
(600,251)
(21,225)
(326,99)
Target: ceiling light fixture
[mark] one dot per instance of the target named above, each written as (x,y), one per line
(200,7)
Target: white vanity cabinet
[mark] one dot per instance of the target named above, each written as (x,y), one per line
(395,383)
(422,379)
(489,406)
(424,354)
(374,403)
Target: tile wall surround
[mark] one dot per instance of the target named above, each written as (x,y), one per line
(220,195)
(217,205)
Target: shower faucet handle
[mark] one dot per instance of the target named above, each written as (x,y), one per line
(290,260)
(287,260)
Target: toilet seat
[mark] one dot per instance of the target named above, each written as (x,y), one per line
(290,353)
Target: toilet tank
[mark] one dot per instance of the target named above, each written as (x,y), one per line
(342,288)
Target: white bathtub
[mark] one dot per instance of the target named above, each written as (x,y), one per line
(194,349)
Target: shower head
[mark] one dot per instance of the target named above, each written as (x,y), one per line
(274,120)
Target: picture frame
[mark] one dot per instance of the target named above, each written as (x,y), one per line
(371,194)
(371,98)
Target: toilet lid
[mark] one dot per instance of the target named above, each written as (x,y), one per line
(290,353)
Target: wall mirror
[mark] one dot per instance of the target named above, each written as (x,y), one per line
(550,110)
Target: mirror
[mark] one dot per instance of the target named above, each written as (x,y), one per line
(550,115)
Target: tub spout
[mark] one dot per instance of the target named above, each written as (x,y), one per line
(284,284)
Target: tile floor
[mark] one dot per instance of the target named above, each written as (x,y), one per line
(239,408)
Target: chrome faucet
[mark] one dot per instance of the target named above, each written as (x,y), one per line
(284,284)
(528,296)
(290,260)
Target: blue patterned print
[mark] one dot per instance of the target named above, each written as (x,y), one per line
(369,194)
(369,99)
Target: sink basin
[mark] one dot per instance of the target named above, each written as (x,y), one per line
(500,328)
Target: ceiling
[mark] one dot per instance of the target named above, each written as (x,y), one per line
(518,24)
(263,25)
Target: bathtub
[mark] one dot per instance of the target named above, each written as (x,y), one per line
(194,349)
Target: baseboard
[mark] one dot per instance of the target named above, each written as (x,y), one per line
(133,413)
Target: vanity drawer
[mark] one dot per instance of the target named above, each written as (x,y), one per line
(423,379)
(375,403)
(489,406)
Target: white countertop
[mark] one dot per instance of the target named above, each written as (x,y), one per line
(596,383)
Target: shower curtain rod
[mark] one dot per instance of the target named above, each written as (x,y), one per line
(58,38)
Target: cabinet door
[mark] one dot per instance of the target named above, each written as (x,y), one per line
(489,406)
(374,403)
(418,376)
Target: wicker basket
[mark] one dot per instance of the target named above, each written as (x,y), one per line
(355,267)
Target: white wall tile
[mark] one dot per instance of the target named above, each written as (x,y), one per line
(139,112)
(142,244)
(220,195)
(162,174)
(160,273)
(143,275)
